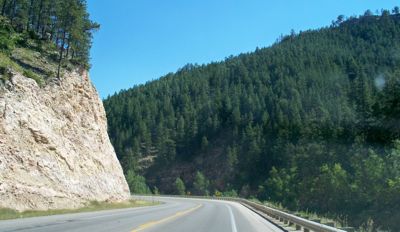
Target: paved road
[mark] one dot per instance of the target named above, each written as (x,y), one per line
(175,215)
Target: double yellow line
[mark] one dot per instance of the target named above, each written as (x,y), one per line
(176,215)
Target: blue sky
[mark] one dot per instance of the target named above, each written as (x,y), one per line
(141,40)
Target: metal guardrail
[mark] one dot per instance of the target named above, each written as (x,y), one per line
(290,220)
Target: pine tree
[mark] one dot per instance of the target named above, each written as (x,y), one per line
(180,187)
(200,184)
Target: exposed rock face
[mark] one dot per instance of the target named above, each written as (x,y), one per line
(54,148)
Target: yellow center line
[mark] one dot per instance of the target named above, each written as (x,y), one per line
(176,215)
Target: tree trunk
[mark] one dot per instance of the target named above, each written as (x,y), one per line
(52,32)
(61,54)
(68,46)
(3,9)
(52,36)
(57,37)
(14,8)
(30,16)
(39,16)
(43,33)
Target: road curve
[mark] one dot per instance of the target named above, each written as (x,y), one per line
(175,215)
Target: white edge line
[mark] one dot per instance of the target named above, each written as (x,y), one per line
(233,223)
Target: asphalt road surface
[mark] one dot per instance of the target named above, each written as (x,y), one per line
(174,215)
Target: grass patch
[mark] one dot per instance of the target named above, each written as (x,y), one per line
(28,63)
(30,74)
(90,207)
(6,62)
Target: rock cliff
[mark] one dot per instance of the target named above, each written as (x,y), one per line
(54,148)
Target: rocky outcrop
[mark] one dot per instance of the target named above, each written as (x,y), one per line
(54,148)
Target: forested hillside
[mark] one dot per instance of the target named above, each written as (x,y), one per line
(311,122)
(41,38)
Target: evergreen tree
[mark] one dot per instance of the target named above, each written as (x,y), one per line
(137,183)
(180,187)
(200,184)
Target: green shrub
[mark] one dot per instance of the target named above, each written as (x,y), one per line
(6,43)
(230,193)
(137,183)
(179,187)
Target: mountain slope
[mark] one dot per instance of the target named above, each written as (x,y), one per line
(311,122)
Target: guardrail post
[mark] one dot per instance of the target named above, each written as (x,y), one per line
(306,230)
(285,221)
(298,227)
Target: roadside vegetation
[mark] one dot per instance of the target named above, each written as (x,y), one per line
(311,123)
(90,207)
